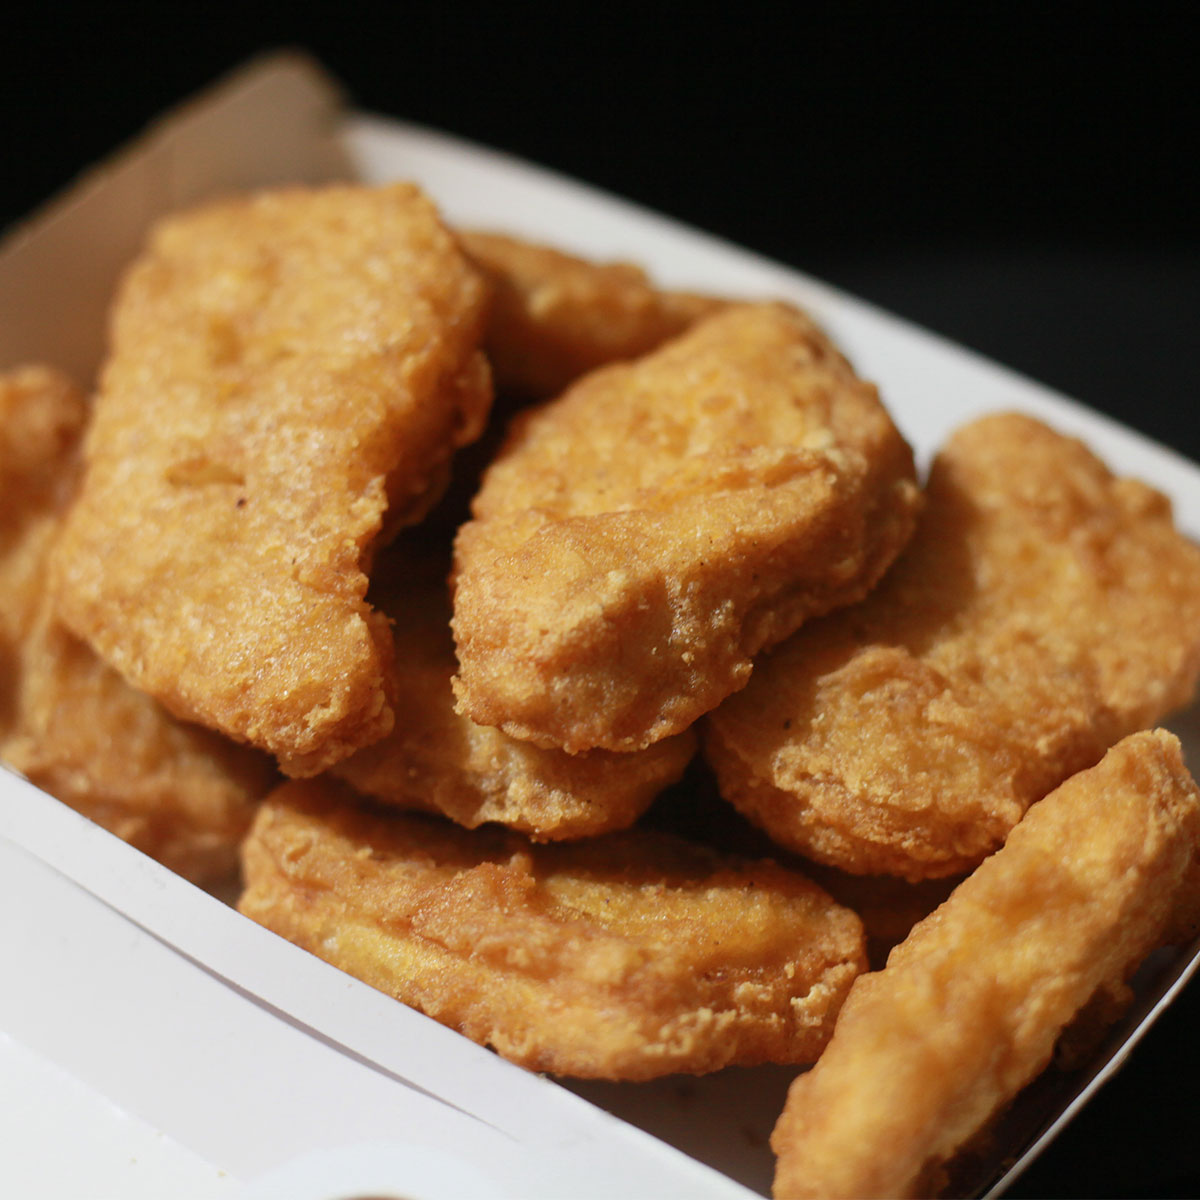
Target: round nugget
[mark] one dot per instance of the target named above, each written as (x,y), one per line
(630,956)
(1043,610)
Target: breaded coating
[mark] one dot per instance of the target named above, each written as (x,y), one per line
(42,414)
(625,957)
(182,794)
(437,761)
(887,906)
(640,539)
(70,723)
(42,417)
(970,1006)
(556,317)
(1044,610)
(288,371)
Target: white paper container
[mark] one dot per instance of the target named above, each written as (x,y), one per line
(262,1071)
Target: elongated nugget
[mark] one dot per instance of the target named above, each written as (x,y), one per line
(435,760)
(1044,610)
(641,538)
(69,722)
(624,957)
(969,1007)
(288,371)
(556,316)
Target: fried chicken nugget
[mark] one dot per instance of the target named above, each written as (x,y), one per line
(286,369)
(70,723)
(1043,610)
(969,1007)
(437,761)
(556,317)
(625,957)
(639,539)
(182,794)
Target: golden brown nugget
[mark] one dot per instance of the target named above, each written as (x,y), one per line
(969,1007)
(437,761)
(556,317)
(1044,610)
(624,957)
(640,539)
(288,371)
(70,723)
(182,794)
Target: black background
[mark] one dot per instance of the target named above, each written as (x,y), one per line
(1015,177)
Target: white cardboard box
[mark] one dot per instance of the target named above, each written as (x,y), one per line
(142,1011)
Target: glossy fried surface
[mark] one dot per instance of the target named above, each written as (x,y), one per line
(556,316)
(969,1007)
(1043,610)
(436,760)
(70,723)
(625,957)
(639,539)
(290,371)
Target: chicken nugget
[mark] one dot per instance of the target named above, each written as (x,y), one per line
(180,793)
(288,369)
(438,761)
(630,956)
(69,722)
(641,538)
(969,1007)
(556,317)
(1043,610)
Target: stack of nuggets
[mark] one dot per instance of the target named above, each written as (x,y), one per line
(697,534)
(437,760)
(969,1006)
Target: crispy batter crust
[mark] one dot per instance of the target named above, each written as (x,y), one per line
(556,317)
(638,540)
(70,723)
(435,760)
(1043,610)
(285,369)
(182,794)
(42,414)
(42,417)
(969,1007)
(625,957)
